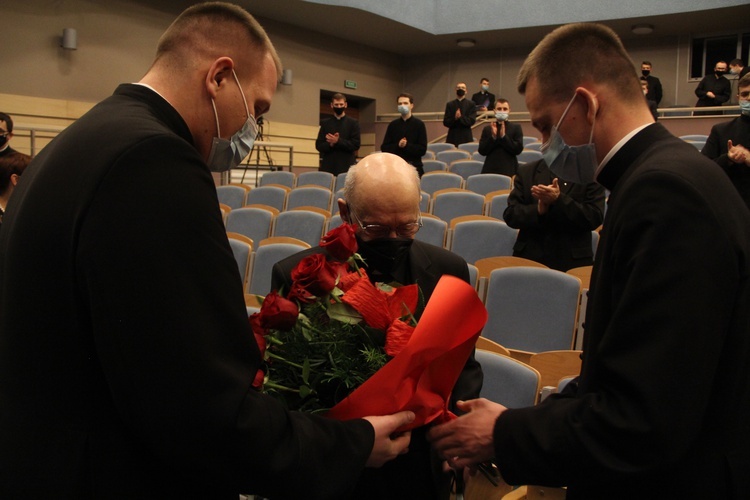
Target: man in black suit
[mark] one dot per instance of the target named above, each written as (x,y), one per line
(126,357)
(6,134)
(654,84)
(501,142)
(554,217)
(713,90)
(460,115)
(484,99)
(382,199)
(338,138)
(662,405)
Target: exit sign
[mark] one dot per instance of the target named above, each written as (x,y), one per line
(350,84)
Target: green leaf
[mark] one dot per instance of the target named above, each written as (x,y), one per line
(304,391)
(344,313)
(306,371)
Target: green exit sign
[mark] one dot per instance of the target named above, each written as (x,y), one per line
(350,84)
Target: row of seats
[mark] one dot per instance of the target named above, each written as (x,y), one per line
(447,160)
(470,147)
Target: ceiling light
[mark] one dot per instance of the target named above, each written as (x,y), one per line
(642,29)
(466,42)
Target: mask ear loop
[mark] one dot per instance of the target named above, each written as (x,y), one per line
(216,116)
(557,127)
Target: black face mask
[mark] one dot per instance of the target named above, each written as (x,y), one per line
(384,254)
(720,72)
(460,92)
(338,111)
(3,140)
(645,72)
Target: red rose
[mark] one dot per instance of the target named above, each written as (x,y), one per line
(340,242)
(277,313)
(315,275)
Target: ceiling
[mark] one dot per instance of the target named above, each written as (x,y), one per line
(386,34)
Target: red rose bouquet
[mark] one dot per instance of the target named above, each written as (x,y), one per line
(333,330)
(337,342)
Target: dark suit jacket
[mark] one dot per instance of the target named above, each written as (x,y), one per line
(338,158)
(126,357)
(561,238)
(662,409)
(654,88)
(486,99)
(459,131)
(409,476)
(738,131)
(501,152)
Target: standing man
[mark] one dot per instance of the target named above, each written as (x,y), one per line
(728,144)
(662,405)
(126,357)
(406,136)
(501,142)
(6,134)
(713,90)
(460,115)
(654,84)
(554,217)
(737,69)
(484,99)
(338,139)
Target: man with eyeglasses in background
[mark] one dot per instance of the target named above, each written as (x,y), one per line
(382,196)
(728,143)
(6,133)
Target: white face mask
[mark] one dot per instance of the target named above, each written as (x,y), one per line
(570,163)
(501,116)
(403,109)
(228,153)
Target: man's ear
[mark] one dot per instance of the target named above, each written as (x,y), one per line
(591,101)
(344,210)
(218,74)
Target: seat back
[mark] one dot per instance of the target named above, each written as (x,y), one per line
(469,147)
(534,146)
(273,196)
(450,205)
(486,183)
(528,140)
(478,157)
(309,196)
(532,309)
(508,381)
(322,179)
(263,260)
(434,166)
(304,225)
(555,365)
(242,249)
(694,137)
(528,155)
(255,223)
(452,155)
(435,181)
(278,177)
(232,195)
(340,181)
(334,222)
(433,231)
(466,168)
(437,147)
(496,206)
(477,239)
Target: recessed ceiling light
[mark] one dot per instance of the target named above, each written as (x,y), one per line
(466,42)
(642,29)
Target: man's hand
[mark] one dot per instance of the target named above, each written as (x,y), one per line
(467,440)
(387,445)
(458,113)
(710,94)
(402,143)
(332,138)
(738,153)
(545,195)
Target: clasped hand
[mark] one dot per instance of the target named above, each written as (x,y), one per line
(738,153)
(332,139)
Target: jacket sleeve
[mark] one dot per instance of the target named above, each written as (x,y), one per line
(522,211)
(580,209)
(714,148)
(351,142)
(390,142)
(486,142)
(449,118)
(418,146)
(174,341)
(320,143)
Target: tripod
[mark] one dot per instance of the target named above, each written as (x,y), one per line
(257,149)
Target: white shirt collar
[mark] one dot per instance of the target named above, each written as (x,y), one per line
(617,147)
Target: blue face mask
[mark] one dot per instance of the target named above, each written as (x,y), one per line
(570,163)
(501,116)
(403,109)
(228,153)
(745,107)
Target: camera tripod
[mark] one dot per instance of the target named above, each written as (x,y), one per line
(258,150)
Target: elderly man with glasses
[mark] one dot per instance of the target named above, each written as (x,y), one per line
(382,196)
